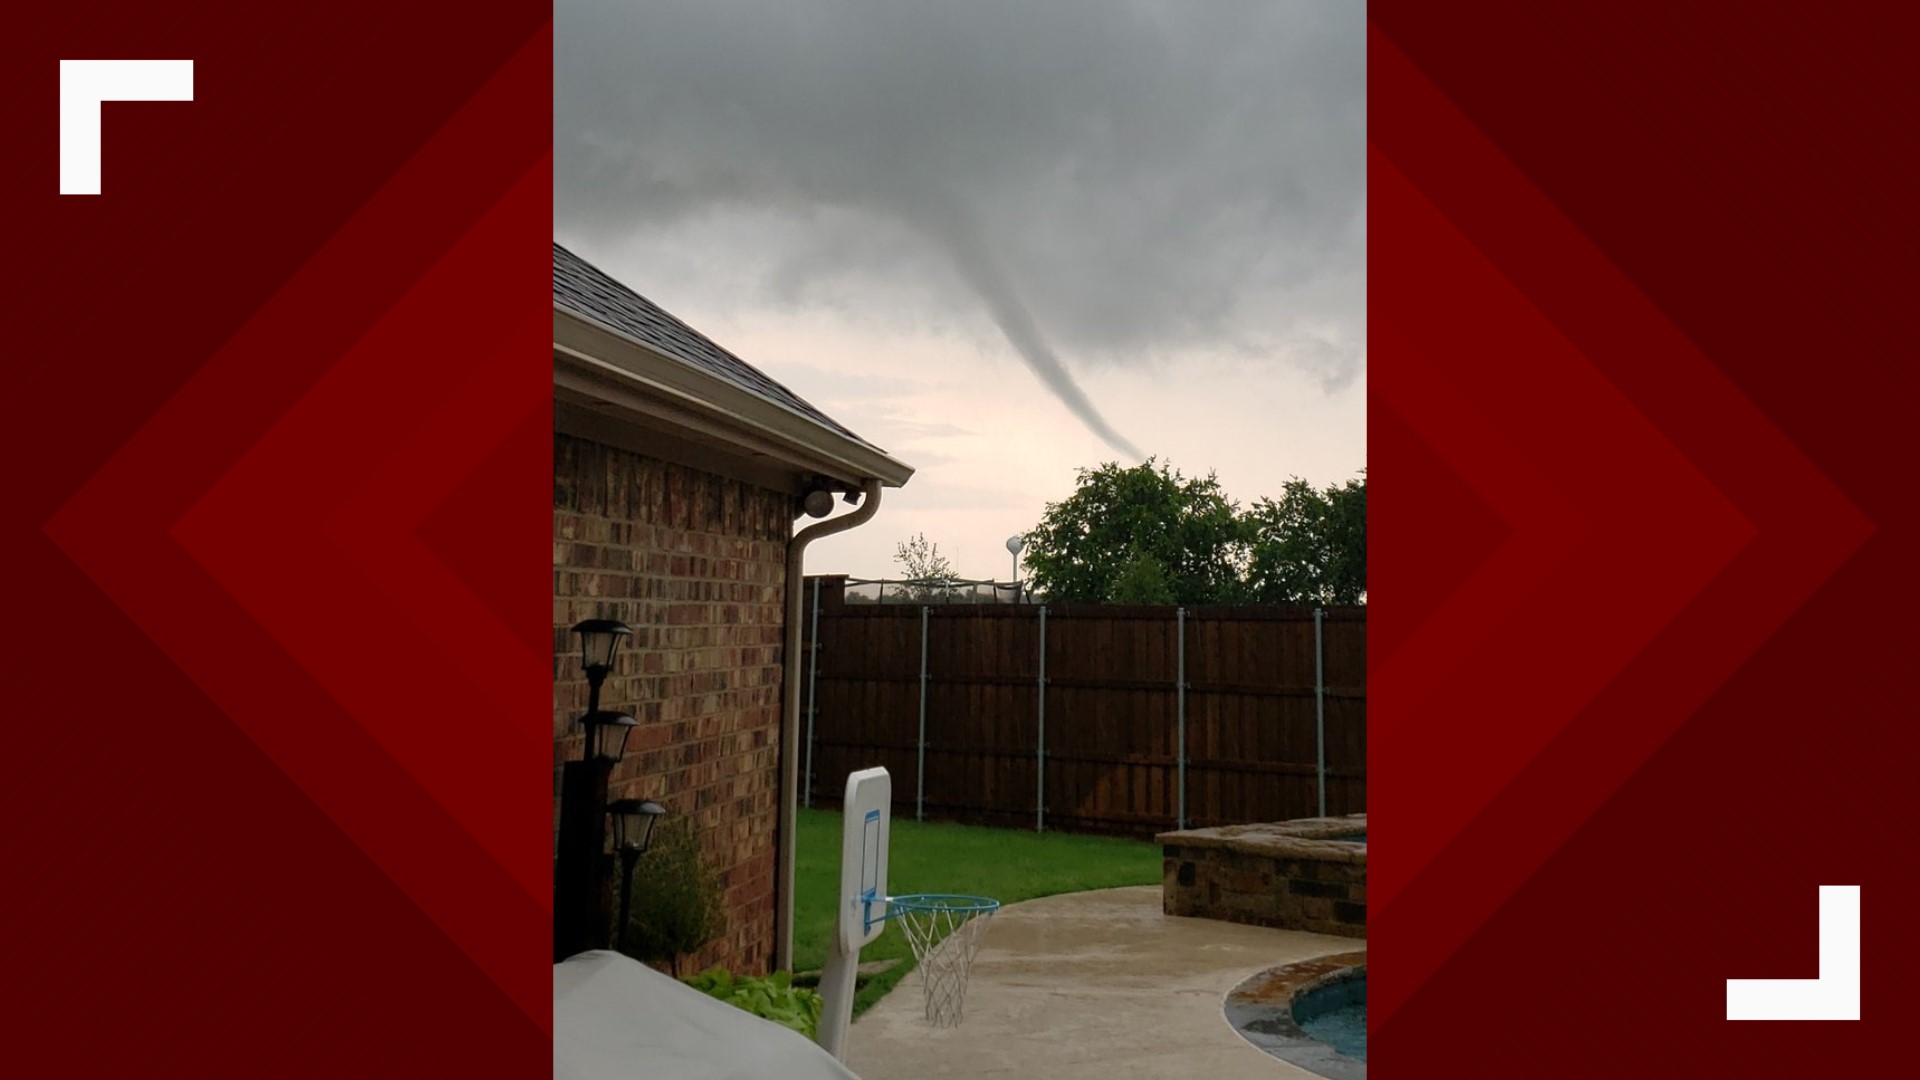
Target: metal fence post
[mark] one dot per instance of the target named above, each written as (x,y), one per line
(1320,707)
(1180,697)
(920,770)
(1040,756)
(813,678)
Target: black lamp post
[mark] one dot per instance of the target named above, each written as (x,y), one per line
(580,872)
(633,822)
(599,640)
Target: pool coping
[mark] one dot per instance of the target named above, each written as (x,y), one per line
(1315,838)
(1260,1010)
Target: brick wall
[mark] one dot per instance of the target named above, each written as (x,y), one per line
(695,563)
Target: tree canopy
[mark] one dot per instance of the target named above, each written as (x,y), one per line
(1126,522)
(1149,535)
(1309,547)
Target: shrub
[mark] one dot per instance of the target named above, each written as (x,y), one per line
(676,899)
(773,997)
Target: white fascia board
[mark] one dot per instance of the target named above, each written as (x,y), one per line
(609,360)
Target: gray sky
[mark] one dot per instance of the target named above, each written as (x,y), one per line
(1002,239)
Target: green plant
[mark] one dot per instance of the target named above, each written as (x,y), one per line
(772,997)
(676,899)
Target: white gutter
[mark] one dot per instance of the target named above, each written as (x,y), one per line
(790,730)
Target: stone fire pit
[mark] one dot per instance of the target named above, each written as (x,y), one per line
(1306,874)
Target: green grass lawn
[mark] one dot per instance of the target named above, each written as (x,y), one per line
(1006,864)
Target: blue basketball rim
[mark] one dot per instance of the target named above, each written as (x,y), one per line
(956,903)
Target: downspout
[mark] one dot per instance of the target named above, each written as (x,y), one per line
(790,729)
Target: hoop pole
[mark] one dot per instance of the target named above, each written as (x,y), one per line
(837,980)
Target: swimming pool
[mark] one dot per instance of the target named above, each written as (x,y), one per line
(1336,1014)
(1310,1013)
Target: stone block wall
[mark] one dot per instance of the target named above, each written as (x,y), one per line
(1292,875)
(696,564)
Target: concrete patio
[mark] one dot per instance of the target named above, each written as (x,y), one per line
(1090,986)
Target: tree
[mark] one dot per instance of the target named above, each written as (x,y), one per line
(1118,517)
(1309,547)
(923,563)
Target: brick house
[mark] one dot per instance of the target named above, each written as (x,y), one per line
(679,473)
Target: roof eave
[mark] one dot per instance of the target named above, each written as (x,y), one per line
(608,363)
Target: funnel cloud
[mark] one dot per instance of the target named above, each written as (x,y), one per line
(1121,184)
(958,233)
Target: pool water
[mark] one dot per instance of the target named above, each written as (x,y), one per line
(1336,1014)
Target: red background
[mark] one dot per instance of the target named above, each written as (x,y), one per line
(276,765)
(1643,396)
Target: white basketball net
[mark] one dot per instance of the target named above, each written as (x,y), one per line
(945,937)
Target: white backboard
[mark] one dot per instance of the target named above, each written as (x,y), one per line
(866,819)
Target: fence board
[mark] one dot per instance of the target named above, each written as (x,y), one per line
(1112,707)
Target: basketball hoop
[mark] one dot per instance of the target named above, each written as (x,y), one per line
(944,930)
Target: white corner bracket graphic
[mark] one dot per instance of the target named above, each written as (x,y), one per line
(84,84)
(1835,995)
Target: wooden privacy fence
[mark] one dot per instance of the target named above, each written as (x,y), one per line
(1087,718)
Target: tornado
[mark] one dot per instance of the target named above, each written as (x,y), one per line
(956,231)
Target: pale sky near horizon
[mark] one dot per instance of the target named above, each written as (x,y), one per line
(1002,240)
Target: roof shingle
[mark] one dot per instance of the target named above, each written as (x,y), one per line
(582,288)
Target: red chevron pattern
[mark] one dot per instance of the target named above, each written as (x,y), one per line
(296,375)
(1649,713)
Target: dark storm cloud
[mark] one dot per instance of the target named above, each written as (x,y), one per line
(1105,180)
